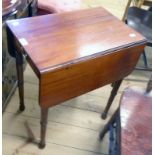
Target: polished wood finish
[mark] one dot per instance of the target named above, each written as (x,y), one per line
(136,120)
(79,78)
(19,66)
(76,52)
(135,131)
(83,34)
(43,122)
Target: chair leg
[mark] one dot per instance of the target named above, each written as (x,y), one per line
(118,132)
(116,86)
(145,59)
(44,115)
(149,85)
(106,127)
(112,140)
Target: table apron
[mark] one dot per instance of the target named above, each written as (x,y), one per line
(76,79)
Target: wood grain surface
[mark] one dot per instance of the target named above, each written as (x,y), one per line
(76,52)
(77,79)
(54,40)
(136,121)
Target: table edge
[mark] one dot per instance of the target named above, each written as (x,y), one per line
(79,60)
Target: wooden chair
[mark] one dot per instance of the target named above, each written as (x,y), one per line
(139,3)
(131,125)
(141,20)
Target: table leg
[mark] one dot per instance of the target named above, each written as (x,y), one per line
(19,66)
(43,122)
(116,86)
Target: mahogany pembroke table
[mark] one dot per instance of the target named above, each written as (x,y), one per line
(72,53)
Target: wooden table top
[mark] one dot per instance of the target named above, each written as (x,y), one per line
(56,40)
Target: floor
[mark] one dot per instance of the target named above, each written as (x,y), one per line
(73,126)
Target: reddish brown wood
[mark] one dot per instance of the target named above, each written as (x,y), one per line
(86,44)
(76,52)
(136,120)
(19,66)
(134,135)
(79,78)
(58,39)
(43,122)
(42,12)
